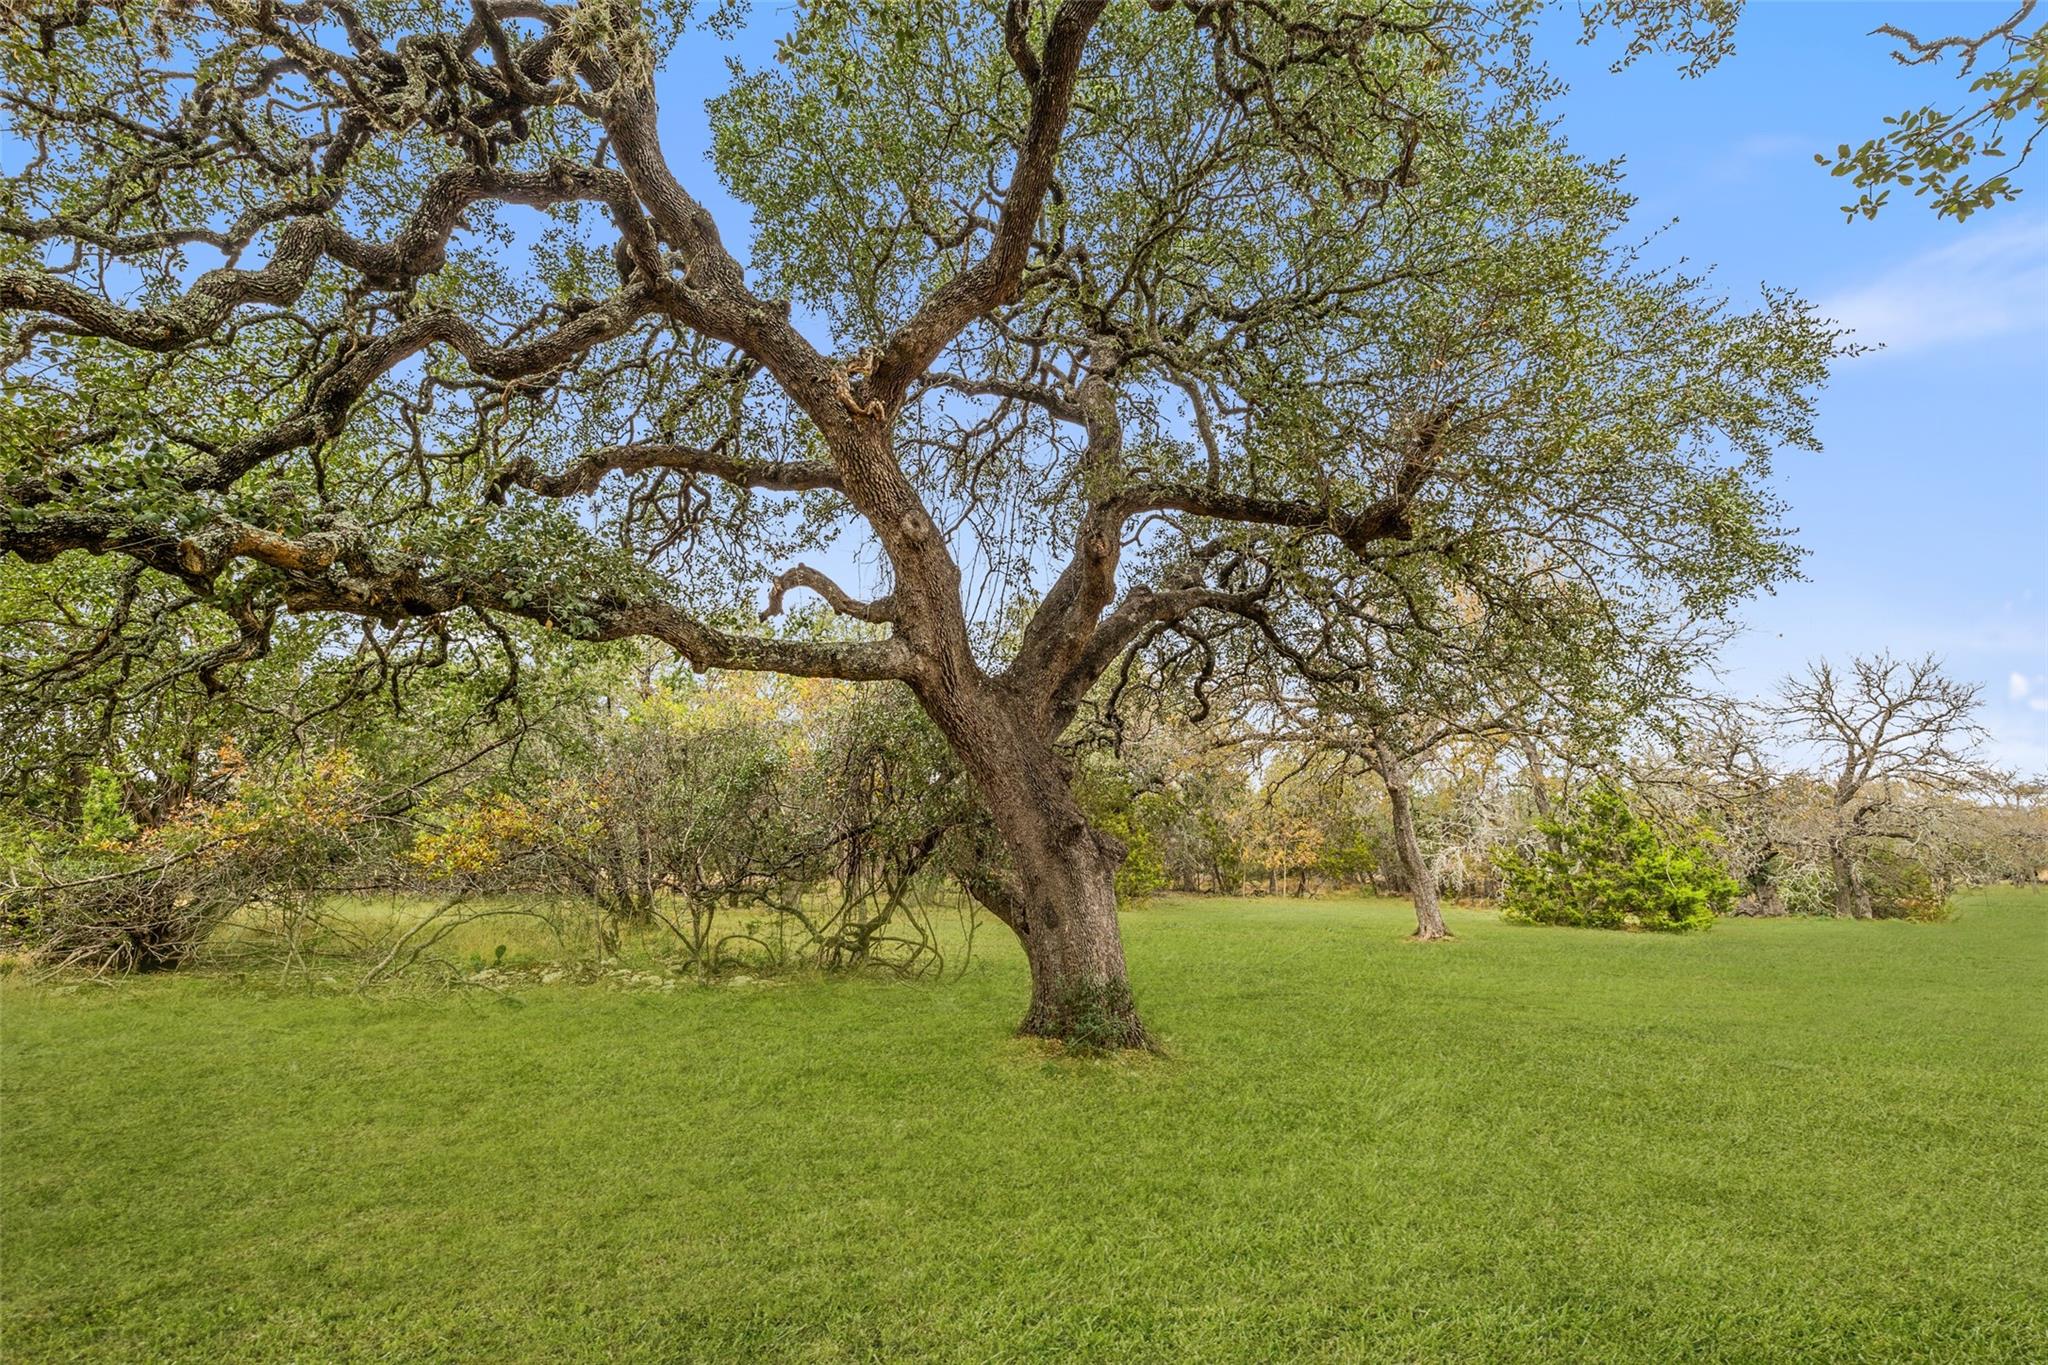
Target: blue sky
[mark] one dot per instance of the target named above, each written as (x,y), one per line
(1924,516)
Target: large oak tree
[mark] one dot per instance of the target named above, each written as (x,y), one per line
(1088,322)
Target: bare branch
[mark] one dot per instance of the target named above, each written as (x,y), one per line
(841,601)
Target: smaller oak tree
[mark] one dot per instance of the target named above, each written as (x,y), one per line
(1888,730)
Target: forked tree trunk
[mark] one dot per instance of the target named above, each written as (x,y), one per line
(1060,900)
(1429,919)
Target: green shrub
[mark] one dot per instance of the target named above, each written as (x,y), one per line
(1610,869)
(1349,861)
(1107,797)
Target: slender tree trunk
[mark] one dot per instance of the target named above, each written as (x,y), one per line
(1539,785)
(1429,919)
(1060,899)
(1539,790)
(1393,770)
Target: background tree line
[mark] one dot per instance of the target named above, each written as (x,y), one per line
(159,809)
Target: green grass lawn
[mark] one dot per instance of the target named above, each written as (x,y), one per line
(1777,1140)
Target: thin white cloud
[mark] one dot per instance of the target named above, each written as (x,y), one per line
(2016,686)
(1991,282)
(1762,151)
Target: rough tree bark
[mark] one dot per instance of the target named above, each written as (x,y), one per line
(1852,897)
(550,105)
(1060,898)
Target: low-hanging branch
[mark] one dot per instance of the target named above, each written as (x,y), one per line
(1146,316)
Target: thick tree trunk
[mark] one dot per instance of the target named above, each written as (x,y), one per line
(1060,899)
(1080,991)
(1852,898)
(1429,919)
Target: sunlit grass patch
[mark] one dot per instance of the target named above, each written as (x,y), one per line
(1787,1139)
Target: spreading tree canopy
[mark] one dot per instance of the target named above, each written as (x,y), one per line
(1088,321)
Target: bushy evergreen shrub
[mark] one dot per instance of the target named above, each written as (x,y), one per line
(1610,869)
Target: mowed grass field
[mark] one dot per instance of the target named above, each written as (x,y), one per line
(1779,1140)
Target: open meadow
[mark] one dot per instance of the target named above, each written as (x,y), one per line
(1776,1140)
(627,628)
